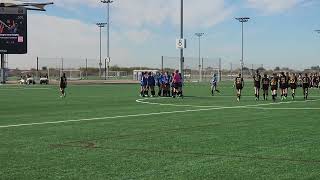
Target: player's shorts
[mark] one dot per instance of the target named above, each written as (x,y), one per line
(293,85)
(274,87)
(265,87)
(257,85)
(283,86)
(214,84)
(63,86)
(239,87)
(176,85)
(305,86)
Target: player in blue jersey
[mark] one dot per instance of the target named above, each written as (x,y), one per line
(214,84)
(165,84)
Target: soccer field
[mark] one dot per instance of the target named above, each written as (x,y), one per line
(109,132)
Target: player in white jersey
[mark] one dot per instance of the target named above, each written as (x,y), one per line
(214,84)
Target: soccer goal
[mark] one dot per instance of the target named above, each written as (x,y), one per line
(72,74)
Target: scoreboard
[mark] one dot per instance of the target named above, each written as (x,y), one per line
(13,30)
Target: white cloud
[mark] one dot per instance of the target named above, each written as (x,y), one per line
(139,13)
(275,6)
(54,37)
(206,13)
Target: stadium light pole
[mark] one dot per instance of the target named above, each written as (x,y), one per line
(199,35)
(108,2)
(100,25)
(242,20)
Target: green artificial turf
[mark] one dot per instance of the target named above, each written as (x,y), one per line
(198,137)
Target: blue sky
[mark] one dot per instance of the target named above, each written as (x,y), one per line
(280,32)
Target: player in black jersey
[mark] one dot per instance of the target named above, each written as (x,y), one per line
(318,80)
(265,86)
(305,86)
(283,85)
(63,85)
(287,85)
(239,84)
(257,83)
(274,86)
(293,84)
(315,80)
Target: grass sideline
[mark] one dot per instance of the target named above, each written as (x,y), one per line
(113,133)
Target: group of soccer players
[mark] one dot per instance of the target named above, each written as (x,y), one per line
(284,81)
(169,85)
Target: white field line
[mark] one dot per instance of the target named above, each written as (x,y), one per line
(7,89)
(143,101)
(139,115)
(279,108)
(116,117)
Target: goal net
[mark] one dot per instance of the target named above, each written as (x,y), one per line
(72,74)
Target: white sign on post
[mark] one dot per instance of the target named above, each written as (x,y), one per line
(181,43)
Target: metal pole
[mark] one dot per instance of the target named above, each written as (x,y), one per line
(61,67)
(161,63)
(231,73)
(181,67)
(108,32)
(87,68)
(201,72)
(37,63)
(108,66)
(108,41)
(220,73)
(100,63)
(2,80)
(105,69)
(242,52)
(37,67)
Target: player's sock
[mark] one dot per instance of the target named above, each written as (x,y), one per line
(212,92)
(217,91)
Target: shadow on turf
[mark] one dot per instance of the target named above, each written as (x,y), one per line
(89,144)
